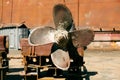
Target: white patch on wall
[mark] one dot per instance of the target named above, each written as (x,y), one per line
(11,40)
(7,2)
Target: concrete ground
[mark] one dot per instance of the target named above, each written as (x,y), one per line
(99,65)
(105,63)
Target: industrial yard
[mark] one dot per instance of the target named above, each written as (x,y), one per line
(100,65)
(59,40)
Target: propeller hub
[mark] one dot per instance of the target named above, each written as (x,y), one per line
(61,37)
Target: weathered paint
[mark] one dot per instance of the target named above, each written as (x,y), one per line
(40,50)
(104,14)
(6,12)
(93,13)
(15,33)
(0,11)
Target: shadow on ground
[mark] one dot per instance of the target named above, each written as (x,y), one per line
(13,74)
(84,75)
(87,74)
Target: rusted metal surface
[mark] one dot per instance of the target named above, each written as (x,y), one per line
(93,13)
(34,13)
(7,11)
(82,37)
(1,8)
(3,55)
(103,13)
(4,43)
(25,47)
(62,15)
(41,50)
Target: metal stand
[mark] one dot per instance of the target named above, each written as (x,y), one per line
(2,72)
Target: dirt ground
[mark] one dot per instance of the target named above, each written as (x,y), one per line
(99,65)
(105,63)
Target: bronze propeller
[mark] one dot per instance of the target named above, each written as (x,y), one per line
(61,36)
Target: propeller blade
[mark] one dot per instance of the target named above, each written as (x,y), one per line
(61,59)
(41,36)
(62,17)
(82,37)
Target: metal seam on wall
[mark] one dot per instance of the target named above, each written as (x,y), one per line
(78,14)
(11,11)
(1,12)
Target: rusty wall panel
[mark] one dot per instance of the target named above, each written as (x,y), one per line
(45,12)
(27,11)
(103,14)
(34,12)
(45,9)
(16,13)
(97,1)
(0,11)
(6,18)
(73,6)
(96,13)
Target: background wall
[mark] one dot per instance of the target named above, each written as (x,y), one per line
(93,13)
